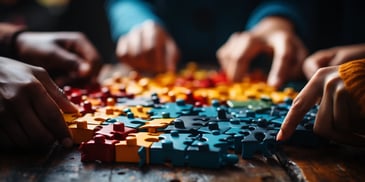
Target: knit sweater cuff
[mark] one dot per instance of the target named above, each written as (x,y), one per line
(353,75)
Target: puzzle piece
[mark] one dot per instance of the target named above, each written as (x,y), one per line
(98,149)
(187,124)
(210,151)
(259,140)
(129,121)
(139,111)
(175,109)
(155,125)
(116,131)
(127,150)
(171,148)
(82,131)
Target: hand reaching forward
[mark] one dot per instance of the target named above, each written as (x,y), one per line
(273,35)
(69,57)
(332,57)
(338,117)
(148,48)
(30,107)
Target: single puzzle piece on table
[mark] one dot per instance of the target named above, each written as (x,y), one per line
(171,148)
(175,109)
(129,121)
(156,125)
(187,124)
(128,150)
(211,151)
(98,149)
(115,131)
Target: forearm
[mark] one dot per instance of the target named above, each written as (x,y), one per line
(125,14)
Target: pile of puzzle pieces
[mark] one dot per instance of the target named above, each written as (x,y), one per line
(195,118)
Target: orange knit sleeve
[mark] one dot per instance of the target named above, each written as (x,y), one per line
(353,75)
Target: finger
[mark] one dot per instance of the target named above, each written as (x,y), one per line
(172,56)
(15,133)
(35,131)
(223,54)
(240,54)
(326,126)
(282,63)
(341,114)
(49,114)
(121,50)
(316,61)
(54,91)
(84,48)
(89,59)
(301,105)
(64,60)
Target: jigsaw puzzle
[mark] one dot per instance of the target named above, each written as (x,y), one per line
(195,118)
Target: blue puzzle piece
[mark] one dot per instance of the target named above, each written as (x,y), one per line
(129,121)
(187,124)
(175,109)
(260,140)
(171,148)
(211,151)
(140,101)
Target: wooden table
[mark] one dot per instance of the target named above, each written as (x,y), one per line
(328,163)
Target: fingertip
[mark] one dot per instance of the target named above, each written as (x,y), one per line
(279,136)
(274,82)
(84,69)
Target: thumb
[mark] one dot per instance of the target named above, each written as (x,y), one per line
(56,93)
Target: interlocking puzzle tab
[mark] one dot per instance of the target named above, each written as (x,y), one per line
(195,119)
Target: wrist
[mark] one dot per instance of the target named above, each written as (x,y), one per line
(8,36)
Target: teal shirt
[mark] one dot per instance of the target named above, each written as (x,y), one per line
(199,27)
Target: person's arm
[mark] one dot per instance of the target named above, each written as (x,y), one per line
(341,112)
(31,108)
(126,14)
(299,13)
(272,29)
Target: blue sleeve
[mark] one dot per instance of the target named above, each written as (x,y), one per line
(125,14)
(298,12)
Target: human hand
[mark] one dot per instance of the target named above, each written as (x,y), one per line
(148,48)
(331,57)
(273,35)
(30,104)
(338,117)
(68,57)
